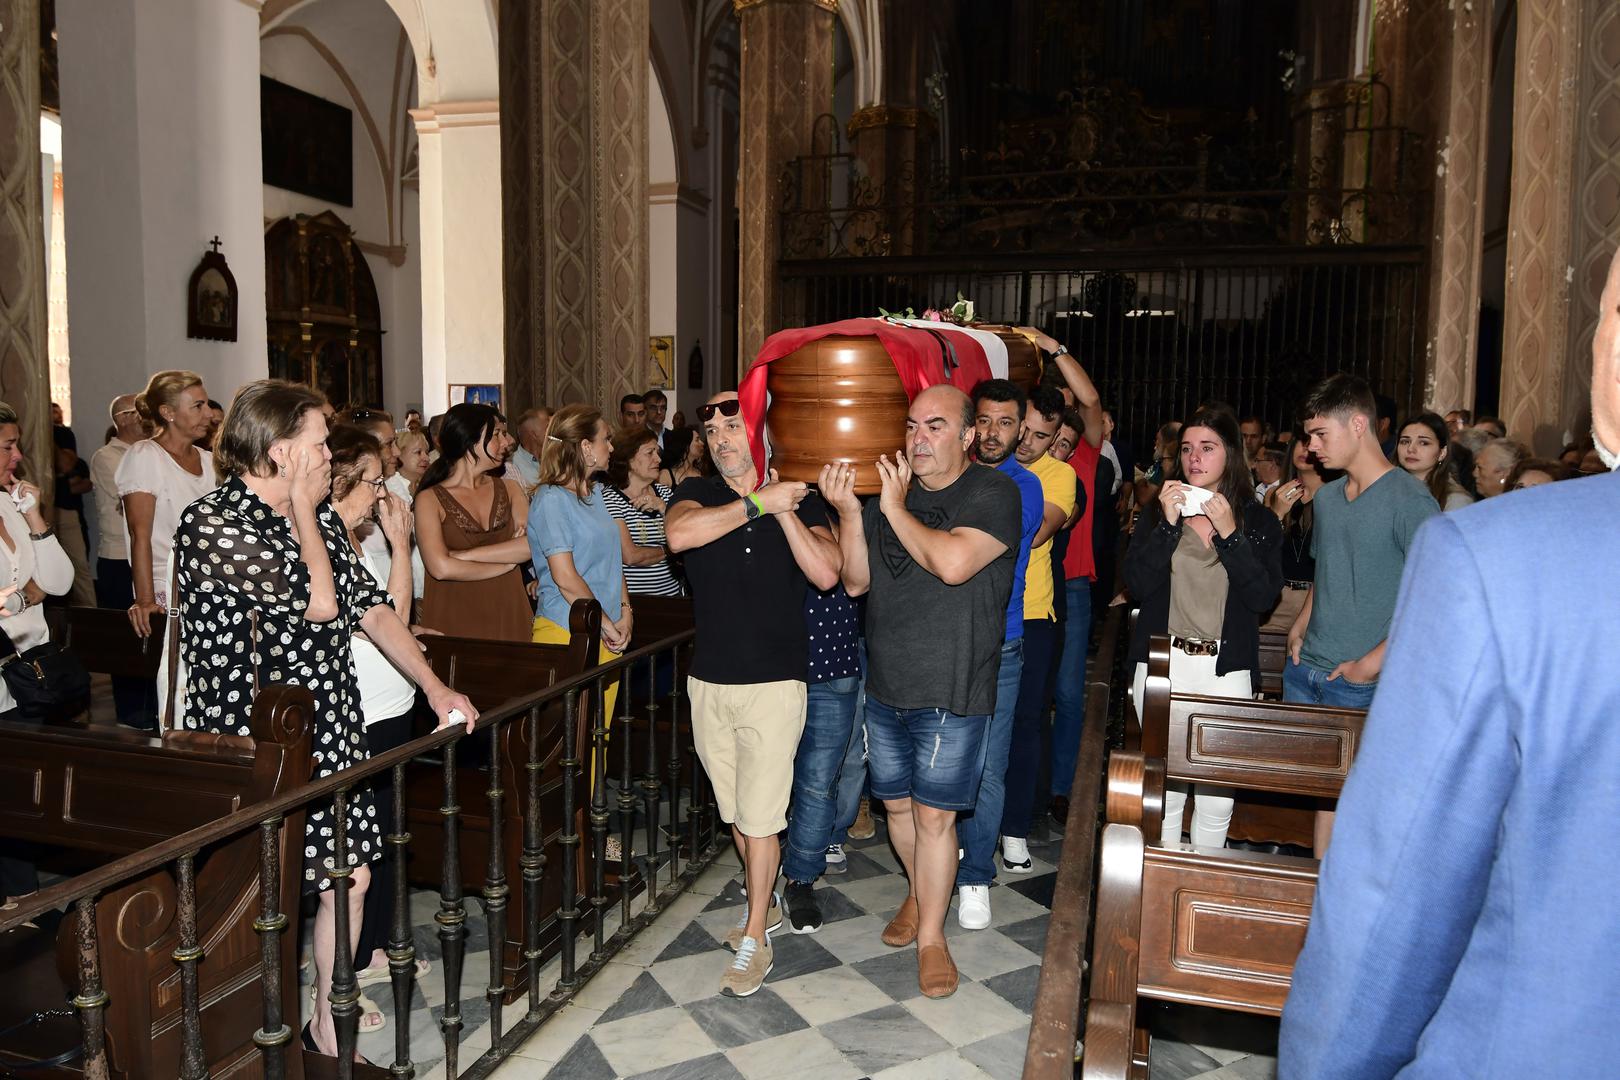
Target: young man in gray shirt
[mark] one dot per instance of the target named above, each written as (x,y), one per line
(1364,526)
(1365,521)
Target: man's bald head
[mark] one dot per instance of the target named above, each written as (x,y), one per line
(939,433)
(1606,370)
(126,418)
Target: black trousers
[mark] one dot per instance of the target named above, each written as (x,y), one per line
(134,700)
(377,918)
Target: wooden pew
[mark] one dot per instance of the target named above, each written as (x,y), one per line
(1215,928)
(1273,655)
(115,792)
(492,673)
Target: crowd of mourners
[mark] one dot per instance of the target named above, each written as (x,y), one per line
(295,542)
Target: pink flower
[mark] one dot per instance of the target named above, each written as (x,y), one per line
(934,315)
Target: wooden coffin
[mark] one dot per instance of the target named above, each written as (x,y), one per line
(839,400)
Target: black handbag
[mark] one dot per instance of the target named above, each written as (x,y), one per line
(47,682)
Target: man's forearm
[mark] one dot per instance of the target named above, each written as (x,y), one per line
(856,572)
(818,556)
(949,558)
(691,526)
(1087,401)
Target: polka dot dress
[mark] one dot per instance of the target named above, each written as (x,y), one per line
(244,590)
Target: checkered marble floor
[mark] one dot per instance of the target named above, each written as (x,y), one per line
(839,1004)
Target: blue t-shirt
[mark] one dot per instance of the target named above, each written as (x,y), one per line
(559,521)
(1033,500)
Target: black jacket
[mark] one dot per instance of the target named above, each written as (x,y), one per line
(1253,560)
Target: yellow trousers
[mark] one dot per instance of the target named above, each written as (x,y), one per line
(547,632)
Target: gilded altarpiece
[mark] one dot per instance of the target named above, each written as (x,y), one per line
(325,326)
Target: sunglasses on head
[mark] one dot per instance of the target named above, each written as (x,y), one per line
(729,407)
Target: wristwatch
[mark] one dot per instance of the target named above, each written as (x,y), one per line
(753,509)
(1061,350)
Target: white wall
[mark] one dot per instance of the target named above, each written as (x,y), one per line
(160,106)
(363,37)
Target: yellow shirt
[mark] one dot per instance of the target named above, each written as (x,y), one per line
(1057,487)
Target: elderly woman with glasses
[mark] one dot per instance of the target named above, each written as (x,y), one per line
(270,591)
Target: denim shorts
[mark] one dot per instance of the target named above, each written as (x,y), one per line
(932,756)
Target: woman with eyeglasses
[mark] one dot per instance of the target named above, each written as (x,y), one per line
(471,533)
(387,698)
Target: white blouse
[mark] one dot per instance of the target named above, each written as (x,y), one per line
(46,563)
(148,468)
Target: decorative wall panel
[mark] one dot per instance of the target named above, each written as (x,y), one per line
(787,69)
(1460,109)
(1535,336)
(574,147)
(24,365)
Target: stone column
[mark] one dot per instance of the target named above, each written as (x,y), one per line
(787,79)
(891,137)
(25,382)
(574,199)
(161,152)
(459,173)
(1460,110)
(1546,108)
(1595,216)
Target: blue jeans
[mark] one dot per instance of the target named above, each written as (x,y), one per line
(829,717)
(1309,685)
(1024,759)
(1070,711)
(852,776)
(931,756)
(977,830)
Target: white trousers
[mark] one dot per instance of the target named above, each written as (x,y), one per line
(1212,811)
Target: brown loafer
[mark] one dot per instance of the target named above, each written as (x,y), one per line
(902,929)
(936,971)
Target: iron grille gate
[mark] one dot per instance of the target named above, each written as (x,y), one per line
(1161,331)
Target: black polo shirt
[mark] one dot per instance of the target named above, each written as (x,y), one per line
(747,594)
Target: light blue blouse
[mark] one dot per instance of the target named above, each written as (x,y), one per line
(559,521)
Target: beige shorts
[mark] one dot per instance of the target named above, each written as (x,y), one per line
(747,736)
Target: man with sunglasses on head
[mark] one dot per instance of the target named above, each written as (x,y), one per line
(936,560)
(750,549)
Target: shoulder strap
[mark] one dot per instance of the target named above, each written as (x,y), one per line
(173,613)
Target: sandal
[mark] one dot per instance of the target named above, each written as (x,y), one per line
(373,975)
(371,1017)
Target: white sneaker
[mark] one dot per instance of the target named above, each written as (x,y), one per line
(973,907)
(837,862)
(1015,855)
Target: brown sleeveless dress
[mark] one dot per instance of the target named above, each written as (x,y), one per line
(496,608)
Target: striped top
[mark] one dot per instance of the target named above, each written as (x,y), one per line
(647,530)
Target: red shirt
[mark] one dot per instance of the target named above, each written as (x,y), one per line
(1079,560)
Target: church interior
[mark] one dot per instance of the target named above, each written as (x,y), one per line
(419,206)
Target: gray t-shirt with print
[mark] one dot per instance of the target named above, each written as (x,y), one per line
(933,645)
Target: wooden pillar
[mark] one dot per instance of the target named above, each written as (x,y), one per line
(574,199)
(25,381)
(1546,105)
(787,80)
(1460,110)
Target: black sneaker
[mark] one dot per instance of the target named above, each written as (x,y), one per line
(803,909)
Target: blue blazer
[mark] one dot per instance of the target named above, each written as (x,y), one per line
(1467,922)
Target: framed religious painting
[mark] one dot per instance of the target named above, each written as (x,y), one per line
(661,362)
(211,298)
(476,394)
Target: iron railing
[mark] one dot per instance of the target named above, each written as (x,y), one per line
(647,788)
(1162,332)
